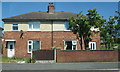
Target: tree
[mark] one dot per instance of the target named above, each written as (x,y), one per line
(117,26)
(94,19)
(110,30)
(81,24)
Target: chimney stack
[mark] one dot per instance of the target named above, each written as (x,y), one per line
(51,8)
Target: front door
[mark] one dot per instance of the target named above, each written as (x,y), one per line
(11,49)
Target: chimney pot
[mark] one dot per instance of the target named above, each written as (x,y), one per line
(51,8)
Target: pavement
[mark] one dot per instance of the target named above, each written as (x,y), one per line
(62,67)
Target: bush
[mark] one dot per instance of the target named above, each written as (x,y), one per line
(15,58)
(2,50)
(33,59)
(119,47)
(27,60)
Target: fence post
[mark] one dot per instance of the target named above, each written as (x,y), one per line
(55,55)
(56,52)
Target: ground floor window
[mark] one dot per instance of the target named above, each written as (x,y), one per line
(92,45)
(33,45)
(70,45)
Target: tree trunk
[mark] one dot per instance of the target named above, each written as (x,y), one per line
(105,43)
(83,44)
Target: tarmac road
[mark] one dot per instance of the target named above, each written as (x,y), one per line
(62,67)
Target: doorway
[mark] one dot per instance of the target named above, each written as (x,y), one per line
(11,49)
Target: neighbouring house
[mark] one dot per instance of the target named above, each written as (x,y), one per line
(1,36)
(41,31)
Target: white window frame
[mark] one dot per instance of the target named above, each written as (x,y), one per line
(65,26)
(72,44)
(32,23)
(32,45)
(92,42)
(13,26)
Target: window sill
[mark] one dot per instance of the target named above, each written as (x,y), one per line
(67,30)
(15,30)
(29,52)
(33,30)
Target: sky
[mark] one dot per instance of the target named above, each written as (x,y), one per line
(105,9)
(60,0)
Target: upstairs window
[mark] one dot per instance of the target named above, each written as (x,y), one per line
(34,25)
(66,26)
(15,27)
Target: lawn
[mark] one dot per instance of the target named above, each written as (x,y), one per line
(14,59)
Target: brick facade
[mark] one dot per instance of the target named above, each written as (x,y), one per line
(48,40)
(96,38)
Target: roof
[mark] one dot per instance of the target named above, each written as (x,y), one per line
(1,28)
(41,16)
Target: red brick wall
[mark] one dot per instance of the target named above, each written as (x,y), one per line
(86,55)
(96,38)
(46,39)
(21,43)
(59,37)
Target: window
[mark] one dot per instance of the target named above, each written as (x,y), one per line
(92,45)
(70,45)
(15,26)
(34,25)
(33,45)
(67,26)
(36,45)
(30,46)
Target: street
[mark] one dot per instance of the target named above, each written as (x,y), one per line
(63,66)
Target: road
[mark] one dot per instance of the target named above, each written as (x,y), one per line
(62,66)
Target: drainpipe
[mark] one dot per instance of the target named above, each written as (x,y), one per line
(52,34)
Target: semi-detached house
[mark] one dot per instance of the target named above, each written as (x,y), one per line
(1,37)
(41,30)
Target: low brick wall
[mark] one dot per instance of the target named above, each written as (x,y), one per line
(86,55)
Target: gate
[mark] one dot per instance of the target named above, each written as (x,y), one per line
(44,54)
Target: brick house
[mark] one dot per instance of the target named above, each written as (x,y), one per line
(41,30)
(1,36)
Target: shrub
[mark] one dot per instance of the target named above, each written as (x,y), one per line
(15,58)
(27,60)
(2,50)
(119,47)
(33,60)
(5,59)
